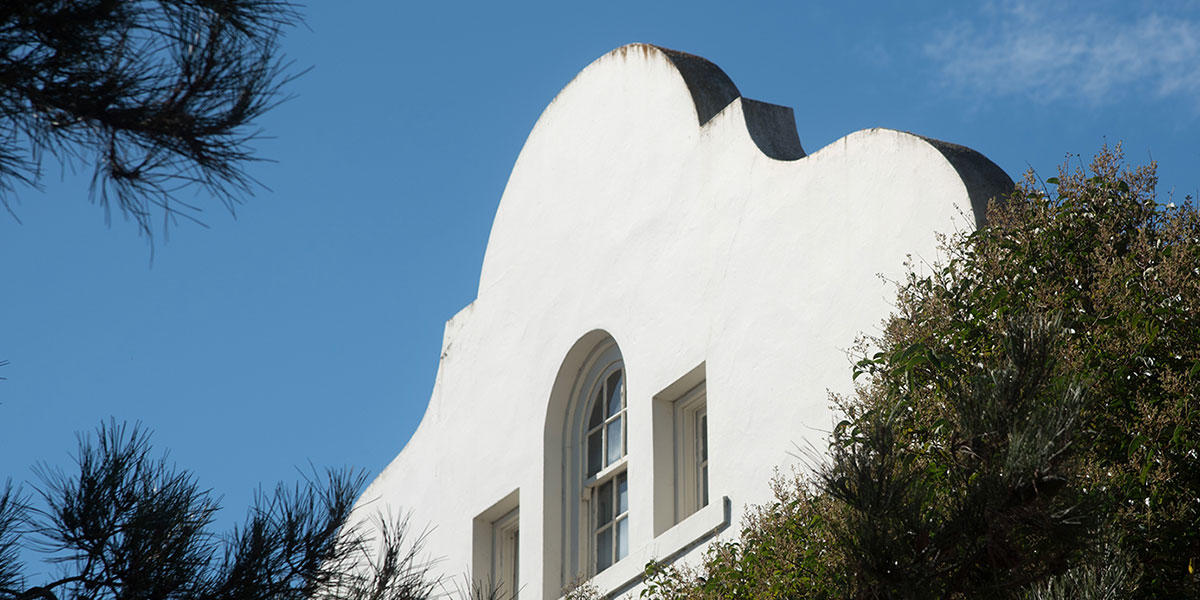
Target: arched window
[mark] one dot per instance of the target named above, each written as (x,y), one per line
(586,524)
(606,427)
(606,484)
(596,463)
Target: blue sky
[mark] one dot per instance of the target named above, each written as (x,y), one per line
(308,328)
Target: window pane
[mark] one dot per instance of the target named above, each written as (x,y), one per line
(614,442)
(704,485)
(595,453)
(622,529)
(603,549)
(622,493)
(597,411)
(703,437)
(614,393)
(604,504)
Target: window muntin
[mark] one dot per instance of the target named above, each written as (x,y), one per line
(612,521)
(606,426)
(595,453)
(605,486)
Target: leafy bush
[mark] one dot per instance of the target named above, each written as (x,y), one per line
(783,552)
(973,500)
(1119,275)
(1028,428)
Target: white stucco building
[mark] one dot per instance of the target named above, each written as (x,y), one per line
(666,300)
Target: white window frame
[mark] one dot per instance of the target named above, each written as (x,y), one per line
(691,462)
(588,528)
(592,509)
(506,552)
(495,541)
(606,420)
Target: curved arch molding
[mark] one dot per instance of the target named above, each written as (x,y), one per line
(653,203)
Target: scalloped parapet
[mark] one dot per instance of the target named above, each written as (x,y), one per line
(655,207)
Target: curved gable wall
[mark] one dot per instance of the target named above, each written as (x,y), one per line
(654,203)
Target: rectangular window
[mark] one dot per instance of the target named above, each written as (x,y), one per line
(611,513)
(691,452)
(506,546)
(496,549)
(680,428)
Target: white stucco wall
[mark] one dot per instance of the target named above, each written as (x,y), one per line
(690,238)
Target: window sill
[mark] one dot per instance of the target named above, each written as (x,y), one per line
(605,474)
(684,535)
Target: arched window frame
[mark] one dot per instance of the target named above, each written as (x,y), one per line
(588,488)
(605,488)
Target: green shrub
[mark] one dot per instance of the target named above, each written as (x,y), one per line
(783,552)
(1118,275)
(1029,426)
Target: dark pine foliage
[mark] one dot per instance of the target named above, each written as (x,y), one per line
(127,525)
(156,96)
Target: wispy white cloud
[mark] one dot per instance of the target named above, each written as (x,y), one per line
(1070,55)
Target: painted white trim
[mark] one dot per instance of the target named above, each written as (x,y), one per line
(688,409)
(699,526)
(489,527)
(666,447)
(506,553)
(579,530)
